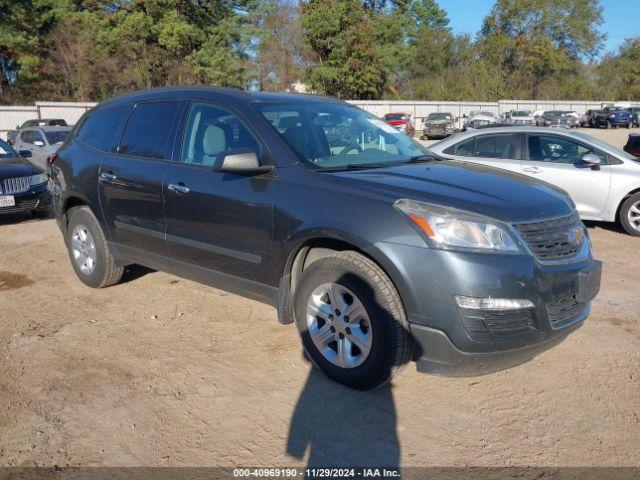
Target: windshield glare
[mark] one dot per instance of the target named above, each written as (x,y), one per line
(6,151)
(334,135)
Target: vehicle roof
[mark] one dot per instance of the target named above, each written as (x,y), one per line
(49,128)
(577,135)
(208,92)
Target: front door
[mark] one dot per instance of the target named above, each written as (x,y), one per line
(557,160)
(130,180)
(219,221)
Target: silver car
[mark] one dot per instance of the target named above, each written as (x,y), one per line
(38,143)
(603,181)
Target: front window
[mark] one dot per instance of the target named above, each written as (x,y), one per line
(550,148)
(439,116)
(338,136)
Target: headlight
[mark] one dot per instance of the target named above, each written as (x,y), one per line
(452,229)
(38,179)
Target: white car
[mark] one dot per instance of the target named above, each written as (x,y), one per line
(521,117)
(603,181)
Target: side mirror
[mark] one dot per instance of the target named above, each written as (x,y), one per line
(592,160)
(38,143)
(25,153)
(240,161)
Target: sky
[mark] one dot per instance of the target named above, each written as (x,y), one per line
(621,18)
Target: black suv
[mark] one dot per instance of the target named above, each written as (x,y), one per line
(380,252)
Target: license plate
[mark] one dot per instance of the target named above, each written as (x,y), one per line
(589,283)
(7,201)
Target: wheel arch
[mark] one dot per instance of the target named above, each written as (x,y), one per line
(622,200)
(314,247)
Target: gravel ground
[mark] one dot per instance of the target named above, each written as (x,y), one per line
(161,371)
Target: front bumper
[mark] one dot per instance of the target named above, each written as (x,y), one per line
(37,198)
(454,341)
(438,131)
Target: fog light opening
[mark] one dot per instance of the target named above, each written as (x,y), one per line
(477,303)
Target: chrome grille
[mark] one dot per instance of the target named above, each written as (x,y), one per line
(11,186)
(25,206)
(551,240)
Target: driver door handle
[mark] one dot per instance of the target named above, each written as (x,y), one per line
(178,188)
(533,169)
(109,177)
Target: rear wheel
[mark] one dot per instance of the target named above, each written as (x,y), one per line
(351,320)
(89,252)
(630,215)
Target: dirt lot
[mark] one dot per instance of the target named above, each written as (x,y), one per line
(162,371)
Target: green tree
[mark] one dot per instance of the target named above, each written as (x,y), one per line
(340,36)
(618,75)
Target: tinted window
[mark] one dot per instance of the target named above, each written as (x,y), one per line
(57,123)
(146,133)
(212,131)
(100,127)
(463,149)
(496,146)
(550,148)
(56,136)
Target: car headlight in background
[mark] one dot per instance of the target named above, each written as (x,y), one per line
(452,229)
(38,179)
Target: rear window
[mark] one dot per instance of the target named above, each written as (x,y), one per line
(56,137)
(147,131)
(496,146)
(100,127)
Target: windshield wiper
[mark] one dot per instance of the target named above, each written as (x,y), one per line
(358,166)
(426,157)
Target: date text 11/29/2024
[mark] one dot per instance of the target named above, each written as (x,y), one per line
(317,472)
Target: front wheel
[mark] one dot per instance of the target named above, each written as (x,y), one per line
(351,320)
(630,215)
(89,252)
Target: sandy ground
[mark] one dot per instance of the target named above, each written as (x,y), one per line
(163,371)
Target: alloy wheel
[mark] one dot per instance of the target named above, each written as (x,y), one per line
(83,248)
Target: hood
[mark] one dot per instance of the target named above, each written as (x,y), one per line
(482,117)
(522,117)
(438,122)
(499,194)
(13,167)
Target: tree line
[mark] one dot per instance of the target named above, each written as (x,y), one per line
(81,50)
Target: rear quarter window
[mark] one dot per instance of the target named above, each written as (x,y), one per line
(462,149)
(101,126)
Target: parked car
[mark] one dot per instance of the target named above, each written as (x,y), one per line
(36,122)
(617,117)
(604,182)
(558,118)
(633,144)
(439,124)
(635,116)
(401,121)
(521,117)
(23,186)
(41,142)
(478,119)
(377,250)
(597,118)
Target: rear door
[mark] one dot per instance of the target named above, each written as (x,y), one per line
(558,160)
(219,221)
(499,150)
(130,179)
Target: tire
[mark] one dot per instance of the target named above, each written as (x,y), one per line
(627,205)
(105,272)
(384,320)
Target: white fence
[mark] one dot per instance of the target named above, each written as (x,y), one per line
(10,116)
(421,109)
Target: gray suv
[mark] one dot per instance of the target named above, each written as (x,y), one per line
(379,252)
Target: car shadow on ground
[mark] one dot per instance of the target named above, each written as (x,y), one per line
(610,226)
(342,427)
(15,218)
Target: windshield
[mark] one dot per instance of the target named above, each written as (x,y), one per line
(338,136)
(439,116)
(56,136)
(554,113)
(6,151)
(520,114)
(599,143)
(394,116)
